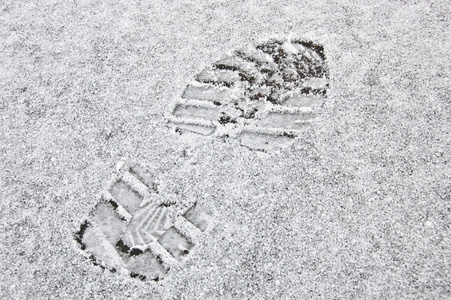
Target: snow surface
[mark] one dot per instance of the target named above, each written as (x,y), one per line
(358,207)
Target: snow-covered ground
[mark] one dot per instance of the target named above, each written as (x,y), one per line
(357,207)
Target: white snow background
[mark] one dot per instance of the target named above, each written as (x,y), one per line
(358,207)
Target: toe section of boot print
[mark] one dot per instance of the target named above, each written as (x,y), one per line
(263,95)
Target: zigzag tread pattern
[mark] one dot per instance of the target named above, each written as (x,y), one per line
(131,232)
(263,95)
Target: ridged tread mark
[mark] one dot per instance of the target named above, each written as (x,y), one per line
(218,77)
(256,87)
(128,232)
(193,111)
(198,217)
(147,225)
(175,243)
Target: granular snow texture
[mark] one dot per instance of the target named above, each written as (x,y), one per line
(358,206)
